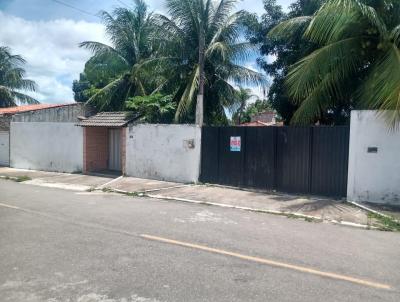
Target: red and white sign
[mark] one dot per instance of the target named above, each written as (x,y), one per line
(235,143)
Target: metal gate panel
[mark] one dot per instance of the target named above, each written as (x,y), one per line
(310,160)
(4,148)
(114,150)
(259,162)
(293,159)
(329,160)
(209,154)
(231,168)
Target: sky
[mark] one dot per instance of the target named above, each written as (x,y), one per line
(47,33)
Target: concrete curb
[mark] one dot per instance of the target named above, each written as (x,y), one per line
(369,209)
(274,212)
(8,177)
(222,205)
(108,183)
(139,192)
(274,192)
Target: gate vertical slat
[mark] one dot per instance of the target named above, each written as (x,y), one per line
(293,147)
(231,163)
(330,158)
(209,155)
(260,157)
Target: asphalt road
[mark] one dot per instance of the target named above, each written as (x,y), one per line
(58,245)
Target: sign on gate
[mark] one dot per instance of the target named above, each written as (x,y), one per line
(235,143)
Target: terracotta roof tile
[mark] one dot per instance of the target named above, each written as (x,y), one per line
(108,119)
(25,108)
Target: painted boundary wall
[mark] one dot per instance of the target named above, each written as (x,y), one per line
(163,152)
(47,146)
(374,166)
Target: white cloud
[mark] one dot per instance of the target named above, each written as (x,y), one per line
(51,50)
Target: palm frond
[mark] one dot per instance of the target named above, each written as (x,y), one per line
(244,76)
(339,18)
(336,61)
(103,98)
(221,12)
(395,35)
(218,47)
(100,49)
(24,98)
(187,97)
(184,11)
(312,107)
(287,28)
(381,89)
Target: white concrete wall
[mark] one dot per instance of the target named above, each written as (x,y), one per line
(46,146)
(163,152)
(373,177)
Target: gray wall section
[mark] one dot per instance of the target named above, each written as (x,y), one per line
(64,114)
(373,176)
(164,152)
(5,122)
(46,146)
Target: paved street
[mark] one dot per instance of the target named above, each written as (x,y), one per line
(64,245)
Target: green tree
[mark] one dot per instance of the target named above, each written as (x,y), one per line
(155,108)
(242,96)
(203,52)
(125,67)
(259,106)
(357,61)
(99,71)
(277,53)
(12,80)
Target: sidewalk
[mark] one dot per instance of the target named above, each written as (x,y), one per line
(294,206)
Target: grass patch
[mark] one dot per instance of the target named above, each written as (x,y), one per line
(22,178)
(105,190)
(134,194)
(385,223)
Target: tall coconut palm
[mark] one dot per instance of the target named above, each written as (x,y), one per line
(358,60)
(203,51)
(12,80)
(242,96)
(132,46)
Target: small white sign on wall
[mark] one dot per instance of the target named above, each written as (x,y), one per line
(235,143)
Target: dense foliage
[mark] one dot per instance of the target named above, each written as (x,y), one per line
(257,107)
(155,108)
(278,54)
(12,80)
(325,57)
(118,72)
(356,62)
(159,54)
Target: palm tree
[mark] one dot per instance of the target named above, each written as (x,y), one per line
(130,33)
(12,80)
(203,52)
(358,61)
(241,97)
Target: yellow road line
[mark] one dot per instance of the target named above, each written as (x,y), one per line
(222,252)
(8,206)
(269,262)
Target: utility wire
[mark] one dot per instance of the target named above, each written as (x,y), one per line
(75,8)
(123,3)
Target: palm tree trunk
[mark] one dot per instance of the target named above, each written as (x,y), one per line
(200,96)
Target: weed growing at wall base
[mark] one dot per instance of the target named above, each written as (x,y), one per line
(385,223)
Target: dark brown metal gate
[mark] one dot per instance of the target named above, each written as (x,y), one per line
(310,160)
